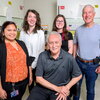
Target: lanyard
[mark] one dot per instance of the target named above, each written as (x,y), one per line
(13,86)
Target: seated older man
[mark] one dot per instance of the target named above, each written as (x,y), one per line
(57,71)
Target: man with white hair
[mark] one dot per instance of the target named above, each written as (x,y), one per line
(56,72)
(87,50)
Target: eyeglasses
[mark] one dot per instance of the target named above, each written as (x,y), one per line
(58,21)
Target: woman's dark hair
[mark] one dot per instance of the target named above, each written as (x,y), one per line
(65,31)
(4,25)
(38,22)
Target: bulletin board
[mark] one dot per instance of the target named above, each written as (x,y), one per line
(72,10)
(12,8)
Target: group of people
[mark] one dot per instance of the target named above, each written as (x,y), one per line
(50,74)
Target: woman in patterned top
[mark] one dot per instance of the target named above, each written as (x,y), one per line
(15,72)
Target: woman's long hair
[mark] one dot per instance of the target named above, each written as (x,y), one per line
(65,31)
(38,21)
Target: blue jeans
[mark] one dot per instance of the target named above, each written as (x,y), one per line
(88,70)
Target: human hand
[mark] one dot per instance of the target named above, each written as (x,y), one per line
(3,94)
(65,90)
(61,96)
(58,89)
(97,70)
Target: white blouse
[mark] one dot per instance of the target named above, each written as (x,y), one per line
(35,43)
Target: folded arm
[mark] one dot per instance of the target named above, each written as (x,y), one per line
(65,89)
(47,84)
(51,86)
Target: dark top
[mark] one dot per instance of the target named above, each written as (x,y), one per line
(65,42)
(57,71)
(3,54)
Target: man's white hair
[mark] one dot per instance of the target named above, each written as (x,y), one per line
(53,33)
(88,6)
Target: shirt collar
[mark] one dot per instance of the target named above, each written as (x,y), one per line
(60,56)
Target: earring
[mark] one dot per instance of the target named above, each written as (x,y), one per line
(3,35)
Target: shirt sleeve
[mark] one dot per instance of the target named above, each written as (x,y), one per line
(41,46)
(39,67)
(41,41)
(70,37)
(21,36)
(75,69)
(75,38)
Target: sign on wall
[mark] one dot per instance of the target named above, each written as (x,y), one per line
(72,10)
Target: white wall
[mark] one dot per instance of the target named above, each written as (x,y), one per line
(10,10)
(46,8)
(13,9)
(73,11)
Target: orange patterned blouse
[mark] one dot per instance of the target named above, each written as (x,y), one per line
(16,66)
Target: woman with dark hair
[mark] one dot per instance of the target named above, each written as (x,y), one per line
(14,69)
(33,36)
(60,26)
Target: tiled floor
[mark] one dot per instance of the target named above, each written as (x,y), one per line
(83,91)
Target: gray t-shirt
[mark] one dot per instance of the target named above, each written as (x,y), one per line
(88,41)
(57,71)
